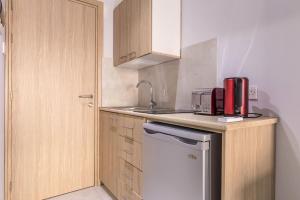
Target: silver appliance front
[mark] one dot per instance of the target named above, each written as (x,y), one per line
(177,163)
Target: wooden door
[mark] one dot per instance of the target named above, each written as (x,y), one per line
(54,60)
(133,10)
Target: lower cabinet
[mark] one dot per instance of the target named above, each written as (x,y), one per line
(129,182)
(131,151)
(122,144)
(110,129)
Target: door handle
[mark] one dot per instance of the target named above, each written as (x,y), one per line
(89,96)
(91,105)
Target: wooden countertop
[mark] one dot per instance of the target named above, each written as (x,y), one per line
(209,123)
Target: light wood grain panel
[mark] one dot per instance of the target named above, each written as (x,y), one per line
(100,146)
(8,61)
(129,182)
(149,36)
(122,156)
(248,164)
(134,13)
(131,151)
(117,35)
(145,27)
(98,95)
(60,63)
(132,127)
(107,162)
(110,130)
(123,32)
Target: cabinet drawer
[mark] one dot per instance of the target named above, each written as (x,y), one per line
(114,123)
(133,128)
(129,182)
(131,151)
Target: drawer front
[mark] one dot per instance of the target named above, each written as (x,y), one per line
(129,182)
(115,122)
(131,151)
(132,127)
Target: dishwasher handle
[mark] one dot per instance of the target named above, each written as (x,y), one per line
(179,139)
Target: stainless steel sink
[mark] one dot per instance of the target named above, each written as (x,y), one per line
(153,111)
(134,108)
(164,111)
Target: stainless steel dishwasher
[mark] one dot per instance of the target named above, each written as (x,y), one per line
(181,163)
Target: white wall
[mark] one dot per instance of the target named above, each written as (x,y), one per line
(259,39)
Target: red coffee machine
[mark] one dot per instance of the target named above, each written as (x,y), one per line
(236,96)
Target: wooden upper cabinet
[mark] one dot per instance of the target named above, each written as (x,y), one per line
(117,35)
(123,43)
(147,32)
(134,14)
(145,27)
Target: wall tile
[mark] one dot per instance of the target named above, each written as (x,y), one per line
(118,85)
(174,82)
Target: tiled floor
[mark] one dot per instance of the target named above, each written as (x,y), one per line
(95,193)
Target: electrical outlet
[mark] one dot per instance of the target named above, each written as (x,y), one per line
(164,93)
(253,93)
(3,47)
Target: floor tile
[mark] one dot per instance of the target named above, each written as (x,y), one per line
(95,193)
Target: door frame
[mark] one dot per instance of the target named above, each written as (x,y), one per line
(8,93)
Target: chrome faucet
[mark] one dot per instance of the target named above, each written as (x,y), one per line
(152,103)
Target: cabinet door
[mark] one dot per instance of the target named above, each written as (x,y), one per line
(145,27)
(129,182)
(132,127)
(123,32)
(117,35)
(134,12)
(111,128)
(131,151)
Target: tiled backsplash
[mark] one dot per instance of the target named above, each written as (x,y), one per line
(118,85)
(174,82)
(164,79)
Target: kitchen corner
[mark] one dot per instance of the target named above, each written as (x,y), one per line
(160,95)
(247,150)
(149,100)
(209,123)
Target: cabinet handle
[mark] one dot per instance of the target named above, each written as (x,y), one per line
(128,140)
(128,167)
(88,96)
(136,194)
(123,58)
(91,105)
(132,55)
